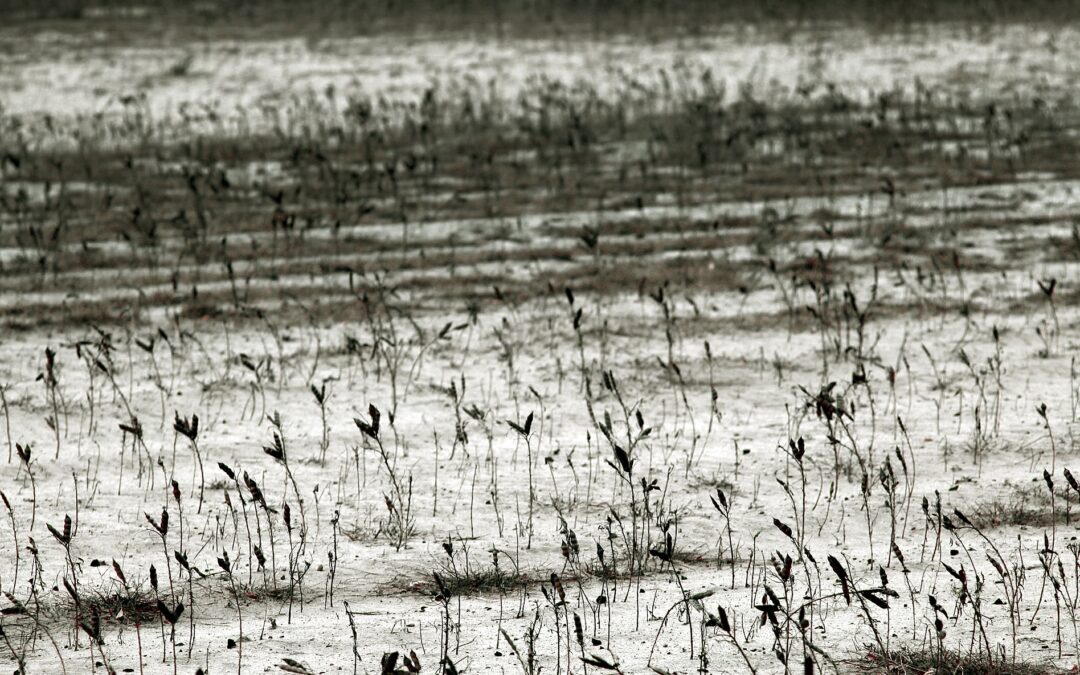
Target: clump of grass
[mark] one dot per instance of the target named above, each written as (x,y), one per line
(465,582)
(484,581)
(693,556)
(260,593)
(910,661)
(128,603)
(1024,506)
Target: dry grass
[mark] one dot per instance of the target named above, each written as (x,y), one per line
(1024,507)
(909,661)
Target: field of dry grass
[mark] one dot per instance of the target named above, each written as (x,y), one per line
(751,350)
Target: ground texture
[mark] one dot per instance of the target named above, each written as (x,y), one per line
(728,353)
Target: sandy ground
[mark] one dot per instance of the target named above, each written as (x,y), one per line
(973,435)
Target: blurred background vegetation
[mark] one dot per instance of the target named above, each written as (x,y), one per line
(525,17)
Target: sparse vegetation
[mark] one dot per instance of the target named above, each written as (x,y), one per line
(650,341)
